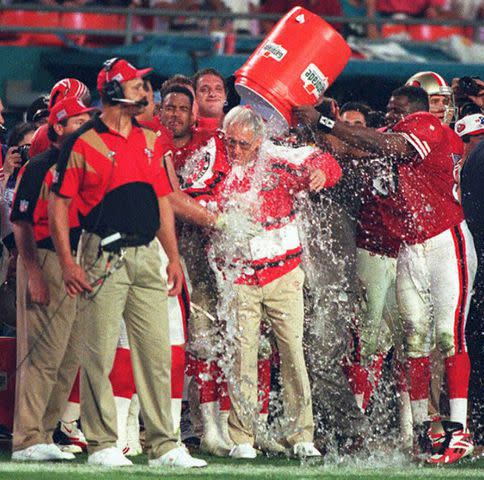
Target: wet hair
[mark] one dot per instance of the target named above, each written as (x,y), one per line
(19,131)
(356,107)
(177,89)
(416,96)
(177,79)
(245,117)
(207,71)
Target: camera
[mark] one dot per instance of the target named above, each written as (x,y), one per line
(24,153)
(468,86)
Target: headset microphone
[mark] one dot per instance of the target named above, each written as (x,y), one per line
(142,103)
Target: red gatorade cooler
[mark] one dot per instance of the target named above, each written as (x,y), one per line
(7,380)
(294,65)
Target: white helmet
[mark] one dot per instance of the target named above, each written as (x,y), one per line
(434,84)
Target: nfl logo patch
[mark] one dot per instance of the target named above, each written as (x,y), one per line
(23,206)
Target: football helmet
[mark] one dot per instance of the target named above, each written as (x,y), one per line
(68,87)
(434,84)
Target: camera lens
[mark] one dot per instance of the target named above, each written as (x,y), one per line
(468,86)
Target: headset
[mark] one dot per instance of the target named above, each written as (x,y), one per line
(112,91)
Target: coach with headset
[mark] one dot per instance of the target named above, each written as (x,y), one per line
(113,169)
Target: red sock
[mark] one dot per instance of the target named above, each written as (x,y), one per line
(400,376)
(458,369)
(177,370)
(75,396)
(264,384)
(373,378)
(357,377)
(419,377)
(206,383)
(121,376)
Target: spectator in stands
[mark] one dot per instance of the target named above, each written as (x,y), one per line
(417,8)
(244,26)
(326,8)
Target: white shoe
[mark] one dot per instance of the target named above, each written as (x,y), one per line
(71,448)
(305,450)
(177,457)
(243,450)
(214,447)
(109,457)
(72,431)
(41,452)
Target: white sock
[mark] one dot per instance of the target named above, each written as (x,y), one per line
(458,410)
(72,412)
(420,411)
(132,424)
(405,411)
(122,408)
(176,408)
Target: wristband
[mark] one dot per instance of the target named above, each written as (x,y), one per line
(325,124)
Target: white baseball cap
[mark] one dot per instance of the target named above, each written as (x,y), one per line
(470,125)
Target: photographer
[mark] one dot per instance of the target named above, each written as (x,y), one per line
(469,95)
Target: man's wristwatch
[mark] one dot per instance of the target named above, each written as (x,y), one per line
(325,124)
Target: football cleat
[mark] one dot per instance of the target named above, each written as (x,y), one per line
(72,431)
(458,444)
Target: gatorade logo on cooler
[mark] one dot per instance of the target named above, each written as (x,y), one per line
(315,82)
(273,50)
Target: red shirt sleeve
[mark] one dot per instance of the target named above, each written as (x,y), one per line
(327,163)
(161,183)
(423,131)
(70,168)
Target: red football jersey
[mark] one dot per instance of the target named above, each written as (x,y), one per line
(426,182)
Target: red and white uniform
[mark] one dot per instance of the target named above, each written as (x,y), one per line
(267,189)
(437,261)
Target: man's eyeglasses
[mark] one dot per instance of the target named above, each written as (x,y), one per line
(231,142)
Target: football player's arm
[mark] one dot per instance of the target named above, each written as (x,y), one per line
(184,206)
(362,138)
(75,278)
(167,237)
(27,248)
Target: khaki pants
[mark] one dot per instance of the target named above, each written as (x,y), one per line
(136,292)
(48,336)
(282,301)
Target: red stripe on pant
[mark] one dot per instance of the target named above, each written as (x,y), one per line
(178,360)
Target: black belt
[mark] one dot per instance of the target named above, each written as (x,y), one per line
(127,240)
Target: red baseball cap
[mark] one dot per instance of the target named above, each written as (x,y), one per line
(67,108)
(120,70)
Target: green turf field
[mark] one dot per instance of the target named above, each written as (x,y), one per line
(381,468)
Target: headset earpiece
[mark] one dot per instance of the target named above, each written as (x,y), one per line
(112,89)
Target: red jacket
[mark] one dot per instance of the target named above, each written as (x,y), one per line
(266,192)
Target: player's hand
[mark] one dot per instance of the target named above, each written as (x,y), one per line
(317,180)
(305,114)
(38,288)
(12,161)
(75,279)
(175,278)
